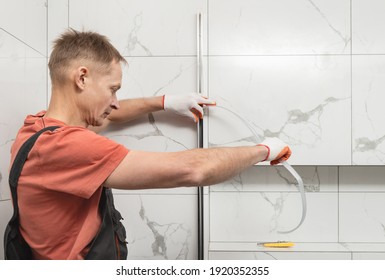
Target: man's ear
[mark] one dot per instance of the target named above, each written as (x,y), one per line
(81,77)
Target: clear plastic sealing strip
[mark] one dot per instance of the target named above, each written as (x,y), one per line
(301,190)
(285,164)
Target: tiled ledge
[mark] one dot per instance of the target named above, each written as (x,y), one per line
(300,247)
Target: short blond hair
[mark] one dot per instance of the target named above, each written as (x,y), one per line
(74,46)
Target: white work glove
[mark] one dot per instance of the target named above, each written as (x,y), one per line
(277,150)
(189,105)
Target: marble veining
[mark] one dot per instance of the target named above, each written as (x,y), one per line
(311,180)
(180,71)
(304,120)
(314,184)
(265,253)
(368,119)
(165,234)
(335,30)
(15,54)
(383,228)
(364,144)
(278,206)
(156,132)
(311,184)
(133,40)
(1,37)
(7,142)
(5,134)
(311,119)
(369,215)
(237,182)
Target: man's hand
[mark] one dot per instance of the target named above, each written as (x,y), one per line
(189,105)
(277,150)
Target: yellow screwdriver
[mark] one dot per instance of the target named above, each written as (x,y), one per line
(278,244)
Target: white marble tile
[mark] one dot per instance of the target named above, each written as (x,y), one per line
(256,217)
(57,20)
(361,217)
(368,128)
(139,27)
(368,26)
(26,20)
(369,256)
(362,179)
(306,251)
(23,80)
(159,227)
(279,256)
(365,247)
(277,178)
(6,211)
(293,98)
(247,27)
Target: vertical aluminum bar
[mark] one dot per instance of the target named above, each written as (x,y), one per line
(200,139)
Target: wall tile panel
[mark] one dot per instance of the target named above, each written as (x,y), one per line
(368,26)
(248,27)
(142,28)
(256,217)
(368,118)
(26,20)
(293,98)
(159,227)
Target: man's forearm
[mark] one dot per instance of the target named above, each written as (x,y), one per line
(197,167)
(133,108)
(130,109)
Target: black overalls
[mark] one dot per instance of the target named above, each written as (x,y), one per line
(110,241)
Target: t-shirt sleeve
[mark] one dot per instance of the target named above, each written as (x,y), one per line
(76,161)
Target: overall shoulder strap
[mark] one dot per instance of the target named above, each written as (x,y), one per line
(18,164)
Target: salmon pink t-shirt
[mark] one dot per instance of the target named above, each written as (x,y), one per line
(60,186)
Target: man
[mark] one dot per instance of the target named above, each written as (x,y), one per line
(61,184)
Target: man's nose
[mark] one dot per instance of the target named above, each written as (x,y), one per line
(115,104)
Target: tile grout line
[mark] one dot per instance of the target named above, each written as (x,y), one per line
(208,122)
(338,204)
(351,83)
(68,13)
(254,55)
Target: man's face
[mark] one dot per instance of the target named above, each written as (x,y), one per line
(102,94)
